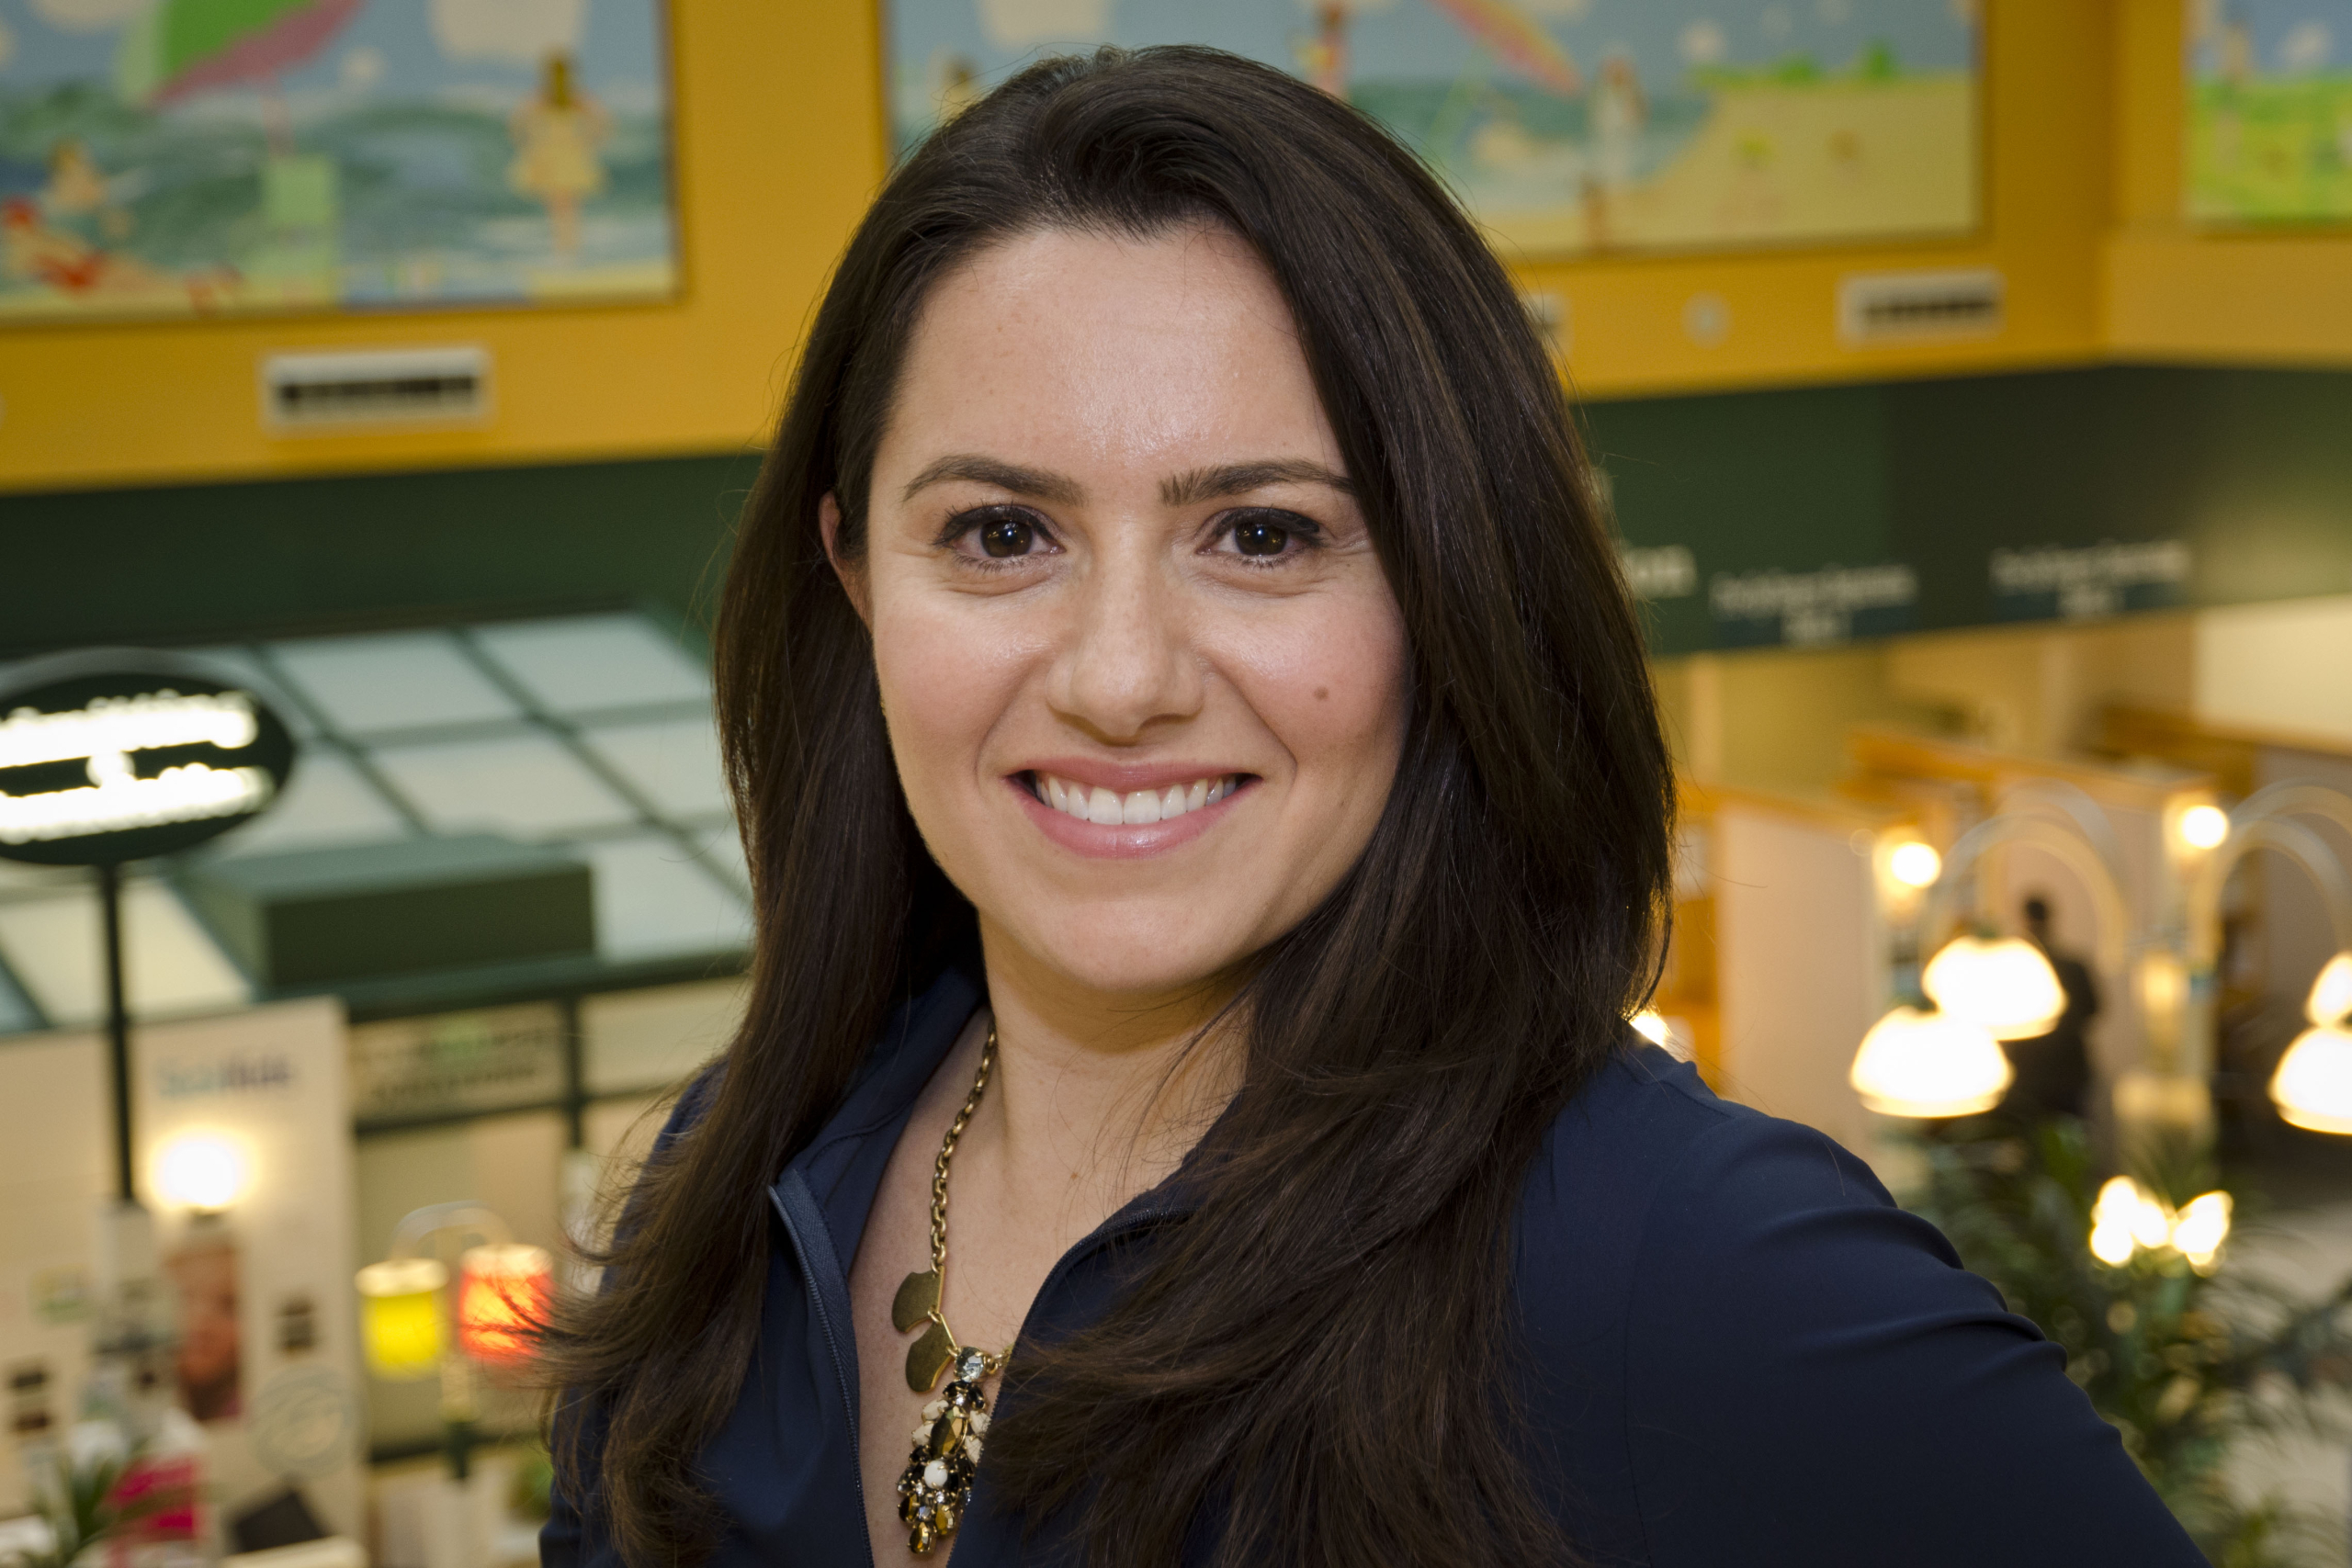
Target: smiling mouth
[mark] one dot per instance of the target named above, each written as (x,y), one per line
(1141,807)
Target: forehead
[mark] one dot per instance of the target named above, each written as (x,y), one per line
(1086,348)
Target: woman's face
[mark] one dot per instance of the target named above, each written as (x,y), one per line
(1144,674)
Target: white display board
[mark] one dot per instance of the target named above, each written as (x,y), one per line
(268,1355)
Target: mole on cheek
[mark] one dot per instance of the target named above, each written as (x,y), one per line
(1321,692)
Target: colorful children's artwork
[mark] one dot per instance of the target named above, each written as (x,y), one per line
(2268,116)
(178,157)
(1571,126)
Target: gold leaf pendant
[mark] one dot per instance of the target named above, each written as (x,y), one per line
(928,1357)
(917,1299)
(936,1492)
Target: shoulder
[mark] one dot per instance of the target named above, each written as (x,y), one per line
(1746,1351)
(1647,1182)
(1646,1153)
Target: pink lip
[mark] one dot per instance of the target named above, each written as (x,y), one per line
(1101,841)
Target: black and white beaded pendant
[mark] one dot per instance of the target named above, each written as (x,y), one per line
(936,1492)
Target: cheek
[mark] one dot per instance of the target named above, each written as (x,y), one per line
(1331,687)
(943,686)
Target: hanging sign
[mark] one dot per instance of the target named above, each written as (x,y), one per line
(115,756)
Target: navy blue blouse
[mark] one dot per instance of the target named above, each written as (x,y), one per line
(1744,1355)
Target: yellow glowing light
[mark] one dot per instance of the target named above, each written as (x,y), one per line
(2005,986)
(200,1170)
(1915,864)
(2202,1227)
(2128,1219)
(2331,998)
(1651,1027)
(1929,1065)
(2118,1200)
(2203,827)
(2312,1086)
(399,1317)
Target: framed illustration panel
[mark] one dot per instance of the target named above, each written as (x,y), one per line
(2267,105)
(164,158)
(1571,127)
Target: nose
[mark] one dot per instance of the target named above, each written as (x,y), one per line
(1128,666)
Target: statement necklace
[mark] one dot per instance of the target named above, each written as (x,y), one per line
(936,1492)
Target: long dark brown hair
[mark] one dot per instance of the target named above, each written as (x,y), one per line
(1316,1366)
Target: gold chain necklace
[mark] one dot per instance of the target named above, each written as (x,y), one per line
(936,1492)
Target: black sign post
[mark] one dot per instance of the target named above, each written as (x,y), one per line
(118,1027)
(112,756)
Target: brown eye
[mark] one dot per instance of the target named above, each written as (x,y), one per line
(1259,537)
(1007,537)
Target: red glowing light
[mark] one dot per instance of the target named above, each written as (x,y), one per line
(503,1293)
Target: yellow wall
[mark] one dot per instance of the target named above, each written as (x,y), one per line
(2045,121)
(778,147)
(780,142)
(2172,293)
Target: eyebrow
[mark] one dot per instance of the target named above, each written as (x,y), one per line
(1182,489)
(1239,479)
(1046,486)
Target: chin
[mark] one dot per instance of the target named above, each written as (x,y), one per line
(1126,951)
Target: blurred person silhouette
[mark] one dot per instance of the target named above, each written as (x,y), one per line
(2054,1070)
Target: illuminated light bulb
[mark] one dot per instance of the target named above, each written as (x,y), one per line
(2203,827)
(399,1317)
(2202,1227)
(200,1171)
(2111,1245)
(1651,1027)
(2331,998)
(1915,864)
(2005,986)
(2118,1200)
(1929,1065)
(2125,1219)
(503,1293)
(2312,1086)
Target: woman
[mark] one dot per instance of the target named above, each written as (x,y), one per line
(1210,824)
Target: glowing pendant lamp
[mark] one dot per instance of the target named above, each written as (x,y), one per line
(1929,1064)
(2312,1086)
(2331,998)
(399,1317)
(2002,985)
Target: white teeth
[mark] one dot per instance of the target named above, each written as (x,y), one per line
(1138,808)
